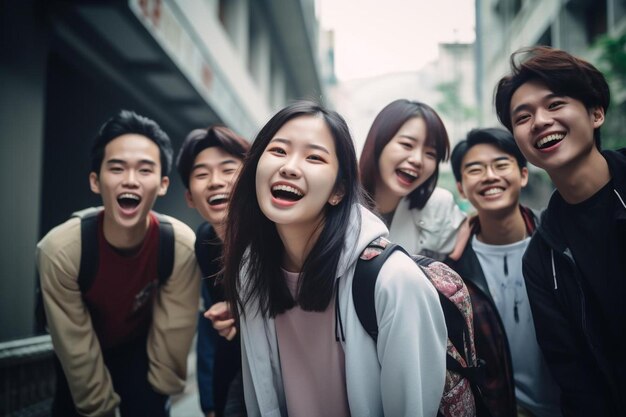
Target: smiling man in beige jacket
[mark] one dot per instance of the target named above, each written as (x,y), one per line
(122,336)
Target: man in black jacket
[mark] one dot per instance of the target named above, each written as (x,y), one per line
(574,267)
(490,172)
(208,163)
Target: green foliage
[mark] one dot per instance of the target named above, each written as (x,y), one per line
(613,55)
(451,104)
(613,65)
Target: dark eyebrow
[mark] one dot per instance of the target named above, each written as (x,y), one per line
(408,137)
(310,145)
(500,158)
(525,106)
(123,162)
(225,162)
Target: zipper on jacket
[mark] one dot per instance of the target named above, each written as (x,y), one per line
(611,383)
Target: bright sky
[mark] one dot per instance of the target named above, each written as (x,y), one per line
(374,37)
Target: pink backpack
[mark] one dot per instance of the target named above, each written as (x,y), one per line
(461,395)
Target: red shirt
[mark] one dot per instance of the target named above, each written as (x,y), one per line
(121,295)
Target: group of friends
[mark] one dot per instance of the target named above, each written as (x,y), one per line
(288,216)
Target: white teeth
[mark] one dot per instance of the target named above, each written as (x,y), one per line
(549,138)
(218,197)
(493,191)
(129,195)
(288,189)
(409,172)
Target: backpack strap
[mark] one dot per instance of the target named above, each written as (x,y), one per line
(88,246)
(89,258)
(364,283)
(363,288)
(166,248)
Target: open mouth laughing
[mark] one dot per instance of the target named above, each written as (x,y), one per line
(217,199)
(549,141)
(286,193)
(407,175)
(128,201)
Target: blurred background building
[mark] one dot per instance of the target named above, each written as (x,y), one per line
(67,66)
(503,26)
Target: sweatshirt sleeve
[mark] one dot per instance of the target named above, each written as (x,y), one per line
(412,339)
(175,317)
(70,326)
(205,354)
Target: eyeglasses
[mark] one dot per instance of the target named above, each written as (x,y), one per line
(498,167)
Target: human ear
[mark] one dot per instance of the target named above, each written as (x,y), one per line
(598,117)
(524,176)
(337,196)
(94,184)
(165,182)
(459,187)
(189,200)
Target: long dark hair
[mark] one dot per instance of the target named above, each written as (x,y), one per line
(252,242)
(385,126)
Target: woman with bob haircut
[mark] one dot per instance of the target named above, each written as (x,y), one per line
(294,233)
(399,169)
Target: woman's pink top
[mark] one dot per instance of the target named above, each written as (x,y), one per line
(311,360)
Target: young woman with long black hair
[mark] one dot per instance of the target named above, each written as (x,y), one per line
(295,231)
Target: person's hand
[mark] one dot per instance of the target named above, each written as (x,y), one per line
(210,414)
(222,319)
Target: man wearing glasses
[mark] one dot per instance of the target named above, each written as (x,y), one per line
(490,172)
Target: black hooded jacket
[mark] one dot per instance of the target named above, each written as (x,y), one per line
(576,349)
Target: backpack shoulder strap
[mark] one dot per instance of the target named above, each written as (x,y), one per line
(458,333)
(166,248)
(88,246)
(364,282)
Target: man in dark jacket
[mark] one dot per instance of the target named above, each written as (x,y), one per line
(490,172)
(208,163)
(554,104)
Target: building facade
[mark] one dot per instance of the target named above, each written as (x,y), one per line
(67,66)
(503,26)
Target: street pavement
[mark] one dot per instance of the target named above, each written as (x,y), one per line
(187,404)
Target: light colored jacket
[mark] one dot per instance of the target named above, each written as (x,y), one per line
(174,318)
(430,231)
(400,375)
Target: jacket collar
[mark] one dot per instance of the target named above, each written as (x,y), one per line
(531,221)
(469,261)
(364,228)
(549,230)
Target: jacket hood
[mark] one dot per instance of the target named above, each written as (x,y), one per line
(548,227)
(364,227)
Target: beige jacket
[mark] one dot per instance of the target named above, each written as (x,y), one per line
(76,344)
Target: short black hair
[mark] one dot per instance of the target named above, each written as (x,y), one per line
(500,138)
(200,139)
(128,122)
(563,73)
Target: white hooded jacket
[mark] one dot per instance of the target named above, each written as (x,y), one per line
(401,375)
